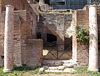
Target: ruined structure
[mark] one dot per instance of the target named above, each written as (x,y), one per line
(28,26)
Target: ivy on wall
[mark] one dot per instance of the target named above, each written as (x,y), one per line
(82,34)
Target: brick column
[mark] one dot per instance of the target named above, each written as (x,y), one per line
(8,41)
(41,2)
(93,43)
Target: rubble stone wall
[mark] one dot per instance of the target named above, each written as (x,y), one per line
(48,24)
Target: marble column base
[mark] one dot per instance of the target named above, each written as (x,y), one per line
(7,70)
(96,70)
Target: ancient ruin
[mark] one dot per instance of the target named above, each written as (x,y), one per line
(43,32)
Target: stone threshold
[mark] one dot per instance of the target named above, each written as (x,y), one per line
(57,66)
(56,69)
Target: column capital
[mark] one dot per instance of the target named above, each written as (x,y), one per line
(92,5)
(9,6)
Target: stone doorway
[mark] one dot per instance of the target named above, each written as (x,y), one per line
(52,51)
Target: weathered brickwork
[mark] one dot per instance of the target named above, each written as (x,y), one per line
(22,32)
(81,17)
(24,28)
(83,55)
(98,17)
(81,52)
(34,52)
(2,23)
(18,5)
(17,43)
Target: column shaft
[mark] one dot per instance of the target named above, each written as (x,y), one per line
(93,43)
(8,41)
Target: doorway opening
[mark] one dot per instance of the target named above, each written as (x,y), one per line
(51,38)
(52,51)
(38,35)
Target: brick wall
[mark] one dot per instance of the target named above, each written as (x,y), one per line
(22,32)
(34,52)
(98,15)
(18,4)
(2,23)
(22,5)
(80,53)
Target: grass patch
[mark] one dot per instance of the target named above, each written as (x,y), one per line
(20,71)
(26,71)
(85,71)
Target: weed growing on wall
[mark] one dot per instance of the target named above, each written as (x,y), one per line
(82,34)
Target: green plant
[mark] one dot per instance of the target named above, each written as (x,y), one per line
(86,71)
(82,34)
(20,71)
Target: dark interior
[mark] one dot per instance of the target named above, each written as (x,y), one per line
(51,38)
(38,35)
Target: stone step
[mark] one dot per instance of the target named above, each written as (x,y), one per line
(54,67)
(67,63)
(65,70)
(70,65)
(53,71)
(57,68)
(52,62)
(69,70)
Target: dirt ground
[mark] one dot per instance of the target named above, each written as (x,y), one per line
(62,75)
